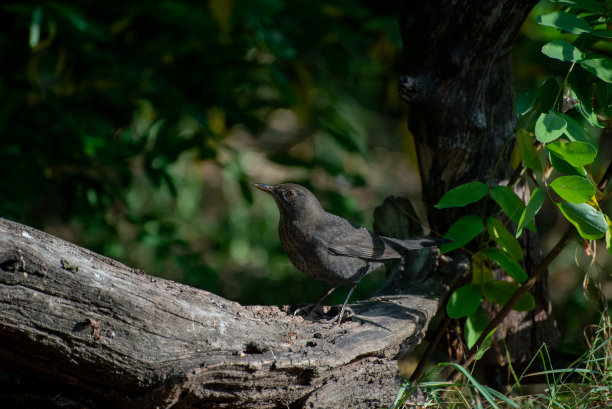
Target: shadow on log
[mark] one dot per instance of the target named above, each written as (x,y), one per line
(92,332)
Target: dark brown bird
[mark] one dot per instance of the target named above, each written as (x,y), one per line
(329,248)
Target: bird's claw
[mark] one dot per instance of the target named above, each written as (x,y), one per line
(337,319)
(340,316)
(311,308)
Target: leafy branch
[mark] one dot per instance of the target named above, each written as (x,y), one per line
(556,149)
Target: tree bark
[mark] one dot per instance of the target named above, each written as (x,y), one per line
(88,331)
(458,82)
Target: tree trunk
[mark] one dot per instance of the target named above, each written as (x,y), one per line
(458,82)
(80,330)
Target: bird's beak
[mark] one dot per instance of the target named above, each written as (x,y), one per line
(264,187)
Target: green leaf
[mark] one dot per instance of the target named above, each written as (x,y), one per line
(531,156)
(603,91)
(500,292)
(576,132)
(589,222)
(588,5)
(562,50)
(509,202)
(526,303)
(525,102)
(504,238)
(463,195)
(464,301)
(602,33)
(547,95)
(509,265)
(600,67)
(533,206)
(580,81)
(462,232)
(475,324)
(481,271)
(549,127)
(565,21)
(562,166)
(576,153)
(574,189)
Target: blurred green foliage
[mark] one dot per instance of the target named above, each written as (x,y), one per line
(127,126)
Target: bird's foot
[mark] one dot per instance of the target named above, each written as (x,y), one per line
(311,309)
(338,317)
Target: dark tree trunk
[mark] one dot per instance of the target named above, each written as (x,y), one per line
(80,330)
(458,82)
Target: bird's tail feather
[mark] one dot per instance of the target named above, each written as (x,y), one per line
(413,244)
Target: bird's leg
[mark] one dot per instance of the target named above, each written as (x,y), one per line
(338,318)
(316,305)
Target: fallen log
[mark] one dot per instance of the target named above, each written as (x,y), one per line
(90,331)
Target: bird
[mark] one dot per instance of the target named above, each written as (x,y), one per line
(329,248)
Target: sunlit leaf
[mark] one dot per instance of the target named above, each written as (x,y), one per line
(565,21)
(601,67)
(549,127)
(462,232)
(589,222)
(576,132)
(576,153)
(574,189)
(562,50)
(533,206)
(463,195)
(509,202)
(504,238)
(562,166)
(464,301)
(509,265)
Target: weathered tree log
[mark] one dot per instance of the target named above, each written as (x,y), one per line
(93,332)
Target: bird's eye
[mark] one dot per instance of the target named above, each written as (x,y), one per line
(290,193)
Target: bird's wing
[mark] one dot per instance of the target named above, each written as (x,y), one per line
(346,239)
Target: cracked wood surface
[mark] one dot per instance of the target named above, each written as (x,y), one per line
(104,334)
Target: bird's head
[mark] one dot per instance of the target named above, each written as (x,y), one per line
(293,201)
